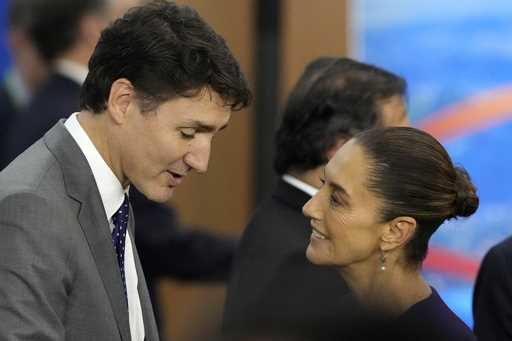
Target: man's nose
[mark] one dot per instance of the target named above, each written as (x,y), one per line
(198,158)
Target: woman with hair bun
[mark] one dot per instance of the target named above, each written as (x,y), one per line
(384,194)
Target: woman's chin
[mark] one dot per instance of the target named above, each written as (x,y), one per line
(315,256)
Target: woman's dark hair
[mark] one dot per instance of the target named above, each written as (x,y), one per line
(334,98)
(413,175)
(164,50)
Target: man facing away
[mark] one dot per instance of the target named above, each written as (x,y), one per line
(161,84)
(492,299)
(27,72)
(64,34)
(274,288)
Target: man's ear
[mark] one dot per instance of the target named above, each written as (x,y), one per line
(122,94)
(339,142)
(397,233)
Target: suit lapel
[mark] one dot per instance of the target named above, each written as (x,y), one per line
(93,220)
(150,328)
(81,186)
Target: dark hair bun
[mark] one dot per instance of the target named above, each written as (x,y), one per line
(466,200)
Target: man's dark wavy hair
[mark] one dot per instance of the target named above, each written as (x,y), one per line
(334,98)
(164,50)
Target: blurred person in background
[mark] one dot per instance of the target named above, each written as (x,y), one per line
(66,32)
(274,288)
(148,114)
(384,194)
(27,72)
(492,296)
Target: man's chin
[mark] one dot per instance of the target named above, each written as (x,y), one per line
(162,195)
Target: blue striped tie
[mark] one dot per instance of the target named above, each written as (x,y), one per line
(120,220)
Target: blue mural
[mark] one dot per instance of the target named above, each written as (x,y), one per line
(457,59)
(4,53)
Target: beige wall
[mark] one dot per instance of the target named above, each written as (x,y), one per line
(310,29)
(221,198)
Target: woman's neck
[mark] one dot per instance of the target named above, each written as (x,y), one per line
(391,291)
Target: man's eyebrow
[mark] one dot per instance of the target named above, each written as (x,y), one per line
(203,127)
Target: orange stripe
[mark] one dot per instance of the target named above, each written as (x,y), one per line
(477,113)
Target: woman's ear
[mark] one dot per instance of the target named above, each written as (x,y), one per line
(397,233)
(121,96)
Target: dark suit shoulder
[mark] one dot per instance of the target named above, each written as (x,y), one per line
(273,220)
(503,249)
(7,107)
(492,296)
(273,284)
(58,98)
(494,263)
(8,113)
(58,86)
(274,234)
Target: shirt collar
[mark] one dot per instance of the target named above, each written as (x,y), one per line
(301,185)
(16,88)
(111,190)
(75,71)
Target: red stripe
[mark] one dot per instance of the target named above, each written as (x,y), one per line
(472,115)
(449,262)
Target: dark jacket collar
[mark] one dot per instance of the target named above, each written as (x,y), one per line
(290,195)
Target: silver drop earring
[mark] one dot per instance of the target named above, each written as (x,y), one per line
(382,261)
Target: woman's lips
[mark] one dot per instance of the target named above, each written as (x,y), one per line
(318,235)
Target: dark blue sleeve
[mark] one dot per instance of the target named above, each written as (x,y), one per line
(492,300)
(168,250)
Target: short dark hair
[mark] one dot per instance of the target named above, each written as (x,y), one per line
(414,176)
(335,97)
(164,50)
(56,24)
(20,14)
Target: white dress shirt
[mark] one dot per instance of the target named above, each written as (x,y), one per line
(75,71)
(301,185)
(112,196)
(17,89)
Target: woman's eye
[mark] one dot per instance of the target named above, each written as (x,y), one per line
(335,201)
(188,133)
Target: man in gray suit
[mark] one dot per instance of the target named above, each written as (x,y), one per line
(161,84)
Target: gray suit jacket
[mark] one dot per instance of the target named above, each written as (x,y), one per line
(59,278)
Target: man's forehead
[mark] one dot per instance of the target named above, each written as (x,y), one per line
(210,117)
